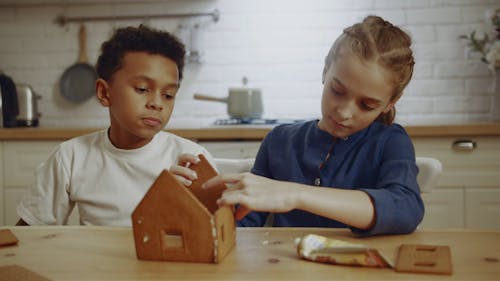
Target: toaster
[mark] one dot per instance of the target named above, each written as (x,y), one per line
(28,106)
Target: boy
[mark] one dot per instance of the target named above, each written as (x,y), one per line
(107,173)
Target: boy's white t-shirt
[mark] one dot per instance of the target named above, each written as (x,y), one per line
(106,183)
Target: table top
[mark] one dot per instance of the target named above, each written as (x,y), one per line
(108,253)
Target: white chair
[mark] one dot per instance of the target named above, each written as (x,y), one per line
(430,169)
(227,165)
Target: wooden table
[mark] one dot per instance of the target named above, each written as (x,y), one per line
(106,253)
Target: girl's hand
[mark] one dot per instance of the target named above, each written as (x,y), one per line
(181,169)
(255,193)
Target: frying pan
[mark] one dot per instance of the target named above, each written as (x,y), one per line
(78,81)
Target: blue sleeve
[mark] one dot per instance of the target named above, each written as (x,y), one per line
(396,198)
(260,168)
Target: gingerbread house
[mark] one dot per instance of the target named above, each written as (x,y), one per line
(178,223)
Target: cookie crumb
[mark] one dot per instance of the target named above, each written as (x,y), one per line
(273,260)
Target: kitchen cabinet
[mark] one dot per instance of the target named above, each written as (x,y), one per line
(2,209)
(19,161)
(468,192)
(483,208)
(444,208)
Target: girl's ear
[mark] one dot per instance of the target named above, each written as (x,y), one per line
(102,92)
(388,107)
(392,103)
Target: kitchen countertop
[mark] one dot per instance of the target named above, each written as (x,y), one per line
(244,132)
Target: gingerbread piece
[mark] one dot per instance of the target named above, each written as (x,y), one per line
(19,273)
(178,223)
(424,259)
(7,238)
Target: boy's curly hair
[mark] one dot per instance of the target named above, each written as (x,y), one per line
(138,39)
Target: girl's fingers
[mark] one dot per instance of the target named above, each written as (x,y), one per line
(233,197)
(220,179)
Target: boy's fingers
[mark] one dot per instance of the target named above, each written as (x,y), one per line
(187,159)
(184,172)
(183,180)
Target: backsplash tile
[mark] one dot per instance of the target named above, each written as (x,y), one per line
(279,45)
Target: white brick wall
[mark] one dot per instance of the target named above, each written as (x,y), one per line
(278,44)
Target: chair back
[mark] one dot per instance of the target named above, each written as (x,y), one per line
(430,169)
(228,165)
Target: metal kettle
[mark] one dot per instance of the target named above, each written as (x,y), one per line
(18,104)
(9,106)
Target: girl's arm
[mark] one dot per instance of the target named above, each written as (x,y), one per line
(256,193)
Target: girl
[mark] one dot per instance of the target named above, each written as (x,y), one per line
(353,167)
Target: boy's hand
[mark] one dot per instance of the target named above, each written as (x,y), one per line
(181,169)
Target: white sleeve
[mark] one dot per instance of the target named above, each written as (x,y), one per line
(209,156)
(48,202)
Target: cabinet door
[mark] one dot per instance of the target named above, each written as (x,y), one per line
(14,195)
(482,208)
(21,159)
(444,208)
(2,221)
(232,149)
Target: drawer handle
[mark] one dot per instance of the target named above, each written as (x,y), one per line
(464,145)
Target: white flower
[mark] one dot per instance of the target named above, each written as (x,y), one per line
(487,44)
(493,56)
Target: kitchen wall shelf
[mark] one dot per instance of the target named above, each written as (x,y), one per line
(63,20)
(35,3)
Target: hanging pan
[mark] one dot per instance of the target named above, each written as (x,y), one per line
(77,83)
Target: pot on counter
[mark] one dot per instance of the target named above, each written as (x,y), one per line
(242,102)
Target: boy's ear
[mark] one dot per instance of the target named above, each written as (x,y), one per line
(326,67)
(102,92)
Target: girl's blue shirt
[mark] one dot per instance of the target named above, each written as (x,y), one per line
(379,160)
